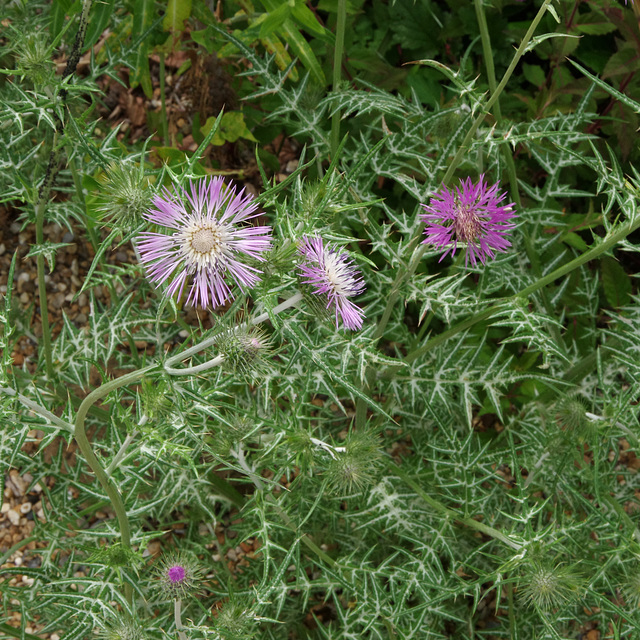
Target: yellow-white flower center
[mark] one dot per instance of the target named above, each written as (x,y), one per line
(204,243)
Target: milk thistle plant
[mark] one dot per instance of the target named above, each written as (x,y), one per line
(300,345)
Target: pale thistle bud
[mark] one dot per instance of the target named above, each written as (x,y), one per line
(571,414)
(354,466)
(234,621)
(34,59)
(123,629)
(548,587)
(246,350)
(126,196)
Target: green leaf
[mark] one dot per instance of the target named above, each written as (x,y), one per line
(534,74)
(297,43)
(575,241)
(177,12)
(98,21)
(142,19)
(272,20)
(308,21)
(232,126)
(594,23)
(59,10)
(615,282)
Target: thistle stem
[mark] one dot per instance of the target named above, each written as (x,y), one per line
(93,462)
(616,236)
(209,342)
(177,614)
(337,68)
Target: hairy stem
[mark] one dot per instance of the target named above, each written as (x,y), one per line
(177,614)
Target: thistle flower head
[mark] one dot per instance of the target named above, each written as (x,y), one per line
(356,465)
(471,214)
(178,576)
(549,586)
(125,196)
(333,279)
(124,629)
(204,244)
(245,349)
(34,58)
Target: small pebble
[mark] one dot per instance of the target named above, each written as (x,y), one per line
(67,237)
(14,517)
(2,249)
(24,298)
(25,507)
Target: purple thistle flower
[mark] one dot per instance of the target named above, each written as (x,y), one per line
(334,277)
(204,242)
(178,575)
(471,214)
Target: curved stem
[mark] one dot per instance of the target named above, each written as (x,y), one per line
(209,342)
(218,360)
(84,445)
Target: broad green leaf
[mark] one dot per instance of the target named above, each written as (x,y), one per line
(59,10)
(232,126)
(103,10)
(272,20)
(298,44)
(534,74)
(307,19)
(142,19)
(615,282)
(177,12)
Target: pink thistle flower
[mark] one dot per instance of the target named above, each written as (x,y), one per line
(334,278)
(178,575)
(204,243)
(472,214)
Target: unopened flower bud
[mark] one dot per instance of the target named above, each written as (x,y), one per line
(126,196)
(178,576)
(246,350)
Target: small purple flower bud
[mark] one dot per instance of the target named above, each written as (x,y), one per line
(178,576)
